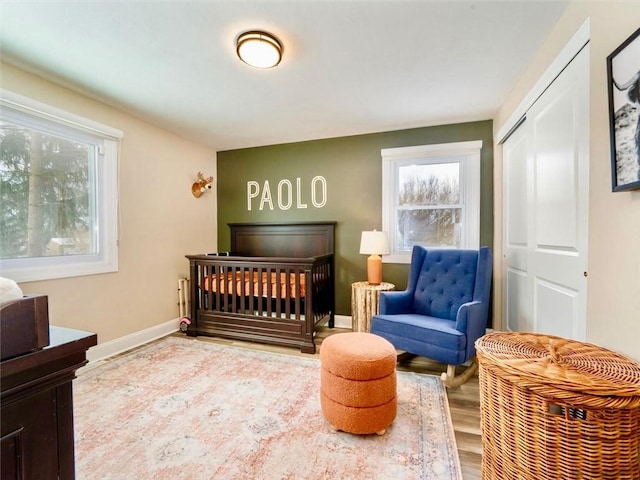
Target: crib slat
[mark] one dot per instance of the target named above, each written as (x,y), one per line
(278,292)
(298,301)
(233,297)
(287,286)
(208,272)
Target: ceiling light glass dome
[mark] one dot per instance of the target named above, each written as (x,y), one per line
(259,49)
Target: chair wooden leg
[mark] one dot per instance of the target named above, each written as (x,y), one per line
(451,381)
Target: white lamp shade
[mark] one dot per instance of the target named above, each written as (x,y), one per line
(374,243)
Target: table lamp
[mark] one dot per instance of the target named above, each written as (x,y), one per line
(374,244)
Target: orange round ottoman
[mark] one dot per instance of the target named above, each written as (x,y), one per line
(358,382)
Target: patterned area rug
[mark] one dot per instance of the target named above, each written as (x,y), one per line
(186,409)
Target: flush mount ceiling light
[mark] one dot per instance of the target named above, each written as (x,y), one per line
(259,49)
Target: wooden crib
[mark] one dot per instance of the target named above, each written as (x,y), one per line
(275,286)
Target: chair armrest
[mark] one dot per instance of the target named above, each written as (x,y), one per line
(472,321)
(471,314)
(393,303)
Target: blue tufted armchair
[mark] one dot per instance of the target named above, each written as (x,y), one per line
(444,309)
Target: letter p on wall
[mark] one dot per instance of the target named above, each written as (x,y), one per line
(253,190)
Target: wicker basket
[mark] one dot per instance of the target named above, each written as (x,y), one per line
(553,408)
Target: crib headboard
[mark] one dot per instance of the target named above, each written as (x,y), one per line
(282,239)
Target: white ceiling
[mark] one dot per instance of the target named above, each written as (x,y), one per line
(349,67)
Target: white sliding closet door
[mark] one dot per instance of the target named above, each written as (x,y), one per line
(546,195)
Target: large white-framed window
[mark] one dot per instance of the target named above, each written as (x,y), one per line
(58,191)
(431,197)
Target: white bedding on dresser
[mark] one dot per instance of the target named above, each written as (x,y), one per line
(9,290)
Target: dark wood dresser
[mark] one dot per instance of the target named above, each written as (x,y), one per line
(36,407)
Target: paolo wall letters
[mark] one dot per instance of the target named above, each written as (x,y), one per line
(285,192)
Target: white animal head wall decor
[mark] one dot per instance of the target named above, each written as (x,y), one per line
(202,185)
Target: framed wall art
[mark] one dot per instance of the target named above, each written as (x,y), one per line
(623,77)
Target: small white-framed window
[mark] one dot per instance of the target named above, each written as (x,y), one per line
(58,191)
(431,197)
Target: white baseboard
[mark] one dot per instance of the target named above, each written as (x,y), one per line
(108,349)
(342,321)
(122,344)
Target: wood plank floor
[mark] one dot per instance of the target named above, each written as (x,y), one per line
(464,402)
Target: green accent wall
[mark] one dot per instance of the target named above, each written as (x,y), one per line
(352,167)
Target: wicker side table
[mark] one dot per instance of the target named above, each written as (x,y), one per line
(553,408)
(364,303)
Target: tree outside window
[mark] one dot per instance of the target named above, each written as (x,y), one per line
(431,197)
(47,194)
(58,192)
(429,210)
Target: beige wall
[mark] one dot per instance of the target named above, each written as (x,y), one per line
(160,221)
(613,305)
